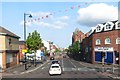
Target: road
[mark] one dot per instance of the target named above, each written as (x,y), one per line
(71,69)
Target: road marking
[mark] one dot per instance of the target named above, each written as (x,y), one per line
(72,63)
(43,67)
(62,65)
(48,63)
(35,68)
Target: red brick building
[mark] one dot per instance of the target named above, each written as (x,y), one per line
(104,37)
(77,36)
(21,47)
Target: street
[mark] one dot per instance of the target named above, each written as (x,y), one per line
(70,69)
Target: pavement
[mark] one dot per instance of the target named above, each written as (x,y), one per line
(112,71)
(20,69)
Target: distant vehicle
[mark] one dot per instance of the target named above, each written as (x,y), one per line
(51,58)
(64,56)
(55,69)
(55,62)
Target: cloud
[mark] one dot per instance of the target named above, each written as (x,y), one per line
(27,23)
(56,25)
(97,13)
(64,18)
(39,14)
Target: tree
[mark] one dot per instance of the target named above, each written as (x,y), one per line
(76,47)
(34,41)
(57,50)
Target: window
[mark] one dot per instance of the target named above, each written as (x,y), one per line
(108,26)
(90,43)
(86,49)
(98,28)
(118,40)
(98,42)
(107,41)
(119,25)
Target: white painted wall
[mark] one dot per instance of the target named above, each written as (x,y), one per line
(46,44)
(1,60)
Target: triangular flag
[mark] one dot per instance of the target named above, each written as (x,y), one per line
(38,18)
(72,7)
(46,16)
(78,6)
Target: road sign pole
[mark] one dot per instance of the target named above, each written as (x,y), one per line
(103,64)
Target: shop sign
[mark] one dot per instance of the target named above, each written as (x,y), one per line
(103,49)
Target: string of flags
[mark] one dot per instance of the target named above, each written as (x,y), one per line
(48,15)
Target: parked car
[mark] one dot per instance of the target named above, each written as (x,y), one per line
(55,62)
(55,69)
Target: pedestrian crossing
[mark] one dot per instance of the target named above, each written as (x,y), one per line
(78,69)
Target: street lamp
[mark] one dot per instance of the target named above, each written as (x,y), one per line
(25,24)
(25,35)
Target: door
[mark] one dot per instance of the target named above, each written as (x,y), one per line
(109,57)
(98,57)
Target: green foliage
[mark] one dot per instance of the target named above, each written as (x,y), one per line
(57,50)
(45,51)
(75,47)
(34,42)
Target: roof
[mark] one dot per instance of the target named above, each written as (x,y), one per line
(21,42)
(55,65)
(5,32)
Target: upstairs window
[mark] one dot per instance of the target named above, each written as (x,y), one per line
(108,26)
(117,25)
(118,40)
(98,42)
(98,28)
(107,41)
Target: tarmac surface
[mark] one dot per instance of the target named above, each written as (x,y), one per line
(113,71)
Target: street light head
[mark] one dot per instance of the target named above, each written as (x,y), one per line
(30,16)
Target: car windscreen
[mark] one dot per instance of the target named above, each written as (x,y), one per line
(55,66)
(55,62)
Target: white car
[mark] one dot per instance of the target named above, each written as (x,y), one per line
(55,69)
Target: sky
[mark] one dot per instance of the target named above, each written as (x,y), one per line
(62,17)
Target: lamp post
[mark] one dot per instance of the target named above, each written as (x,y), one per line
(25,35)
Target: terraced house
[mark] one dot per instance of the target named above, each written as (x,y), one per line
(9,49)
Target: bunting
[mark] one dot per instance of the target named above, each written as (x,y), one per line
(60,11)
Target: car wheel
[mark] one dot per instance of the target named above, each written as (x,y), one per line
(50,74)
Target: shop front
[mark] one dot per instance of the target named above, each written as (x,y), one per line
(108,56)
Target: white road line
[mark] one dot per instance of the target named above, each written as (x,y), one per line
(43,67)
(35,68)
(72,63)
